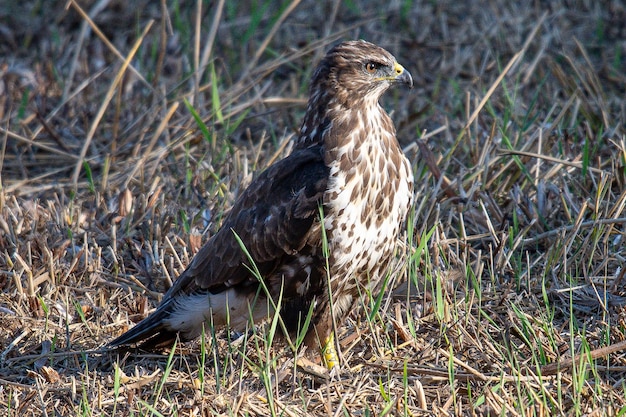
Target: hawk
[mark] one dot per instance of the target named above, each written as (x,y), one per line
(346,186)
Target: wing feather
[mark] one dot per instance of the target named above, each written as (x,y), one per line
(273,217)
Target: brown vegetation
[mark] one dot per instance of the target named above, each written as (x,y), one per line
(128,129)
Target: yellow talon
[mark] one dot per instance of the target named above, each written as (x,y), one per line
(330,353)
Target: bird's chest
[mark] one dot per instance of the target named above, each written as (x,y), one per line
(368,198)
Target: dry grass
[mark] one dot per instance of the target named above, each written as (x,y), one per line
(511,300)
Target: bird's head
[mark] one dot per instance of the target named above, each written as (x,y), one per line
(358,70)
(352,76)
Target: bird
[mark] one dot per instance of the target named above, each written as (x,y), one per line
(313,231)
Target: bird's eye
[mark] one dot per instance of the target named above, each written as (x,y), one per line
(371,67)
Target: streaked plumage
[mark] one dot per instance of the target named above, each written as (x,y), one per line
(348,160)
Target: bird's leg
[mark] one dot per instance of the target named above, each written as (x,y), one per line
(329,351)
(322,335)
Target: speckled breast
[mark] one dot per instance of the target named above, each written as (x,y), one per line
(368,200)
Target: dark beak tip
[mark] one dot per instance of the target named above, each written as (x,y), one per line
(408,80)
(405,78)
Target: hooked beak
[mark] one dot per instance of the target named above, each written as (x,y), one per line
(402,75)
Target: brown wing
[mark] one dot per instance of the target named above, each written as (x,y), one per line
(273,218)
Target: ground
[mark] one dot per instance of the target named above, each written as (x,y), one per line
(128,128)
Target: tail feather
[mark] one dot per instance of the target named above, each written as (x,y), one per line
(150,333)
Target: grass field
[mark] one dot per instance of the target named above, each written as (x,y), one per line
(128,128)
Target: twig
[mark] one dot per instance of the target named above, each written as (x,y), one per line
(460,376)
(269,37)
(12,345)
(514,60)
(208,43)
(105,103)
(565,364)
(590,223)
(578,165)
(108,43)
(84,32)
